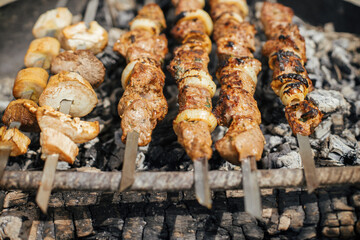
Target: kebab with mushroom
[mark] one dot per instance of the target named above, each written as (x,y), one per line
(143,103)
(236,108)
(285,49)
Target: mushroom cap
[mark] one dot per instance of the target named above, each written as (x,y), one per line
(83,62)
(17,112)
(41,51)
(78,36)
(69,86)
(51,22)
(30,79)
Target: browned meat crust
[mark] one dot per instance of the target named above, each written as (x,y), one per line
(235,103)
(186,5)
(183,28)
(303,117)
(243,139)
(152,11)
(195,138)
(187,58)
(141,43)
(193,97)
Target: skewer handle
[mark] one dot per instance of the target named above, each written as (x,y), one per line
(252,196)
(47,180)
(128,170)
(201,180)
(5,150)
(312,182)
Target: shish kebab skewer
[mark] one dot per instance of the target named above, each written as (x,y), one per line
(32,79)
(285,49)
(143,104)
(60,143)
(244,142)
(195,121)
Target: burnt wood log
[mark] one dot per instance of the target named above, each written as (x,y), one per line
(175,181)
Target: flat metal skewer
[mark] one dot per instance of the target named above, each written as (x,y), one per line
(48,177)
(61,3)
(129,164)
(201,180)
(252,195)
(5,149)
(312,182)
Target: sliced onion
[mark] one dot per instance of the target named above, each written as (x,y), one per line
(201,14)
(289,99)
(199,78)
(127,73)
(192,115)
(145,23)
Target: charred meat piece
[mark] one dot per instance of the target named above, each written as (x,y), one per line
(82,62)
(195,138)
(303,117)
(243,139)
(236,103)
(149,17)
(241,6)
(186,5)
(187,58)
(138,44)
(275,14)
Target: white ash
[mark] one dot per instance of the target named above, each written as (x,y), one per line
(329,101)
(290,160)
(63,165)
(323,130)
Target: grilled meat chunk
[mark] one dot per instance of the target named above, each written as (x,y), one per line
(303,117)
(243,139)
(187,58)
(195,138)
(137,44)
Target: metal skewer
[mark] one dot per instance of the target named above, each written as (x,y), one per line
(201,181)
(48,177)
(252,195)
(5,148)
(129,164)
(312,182)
